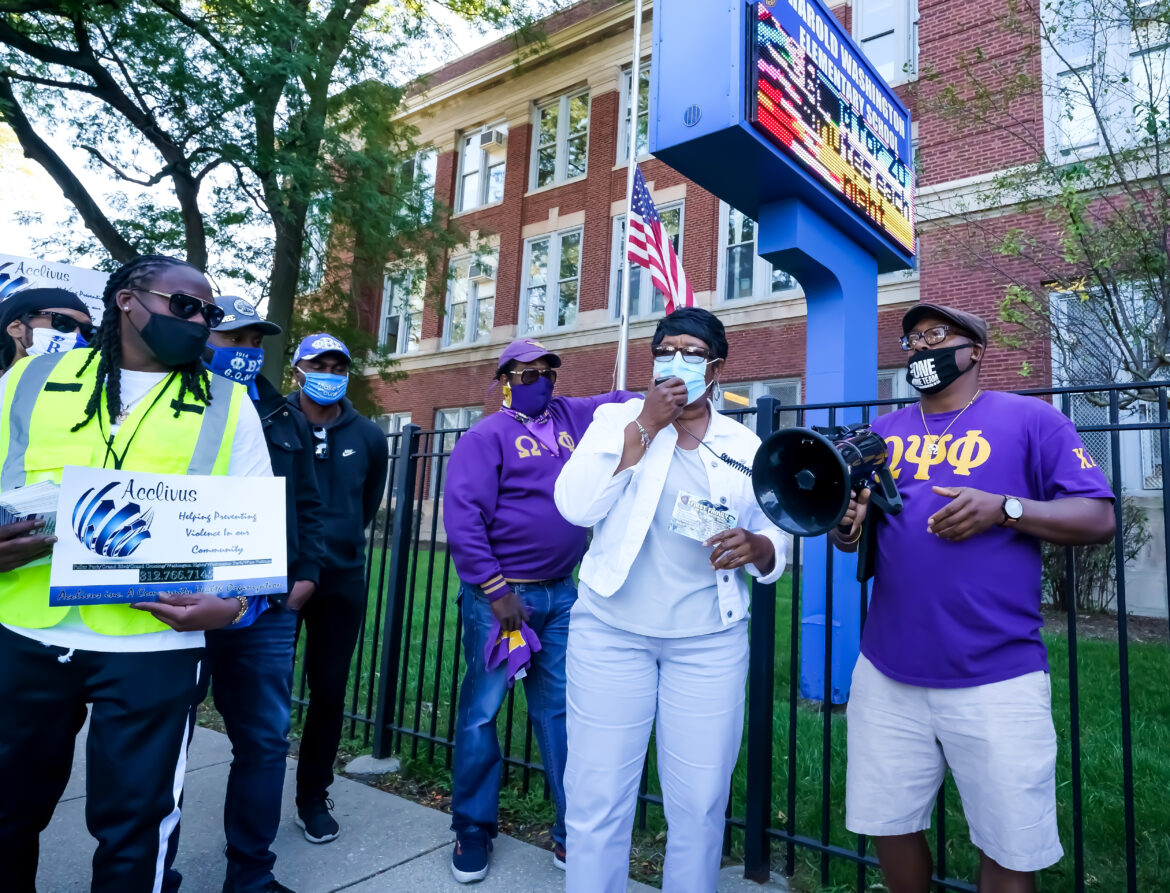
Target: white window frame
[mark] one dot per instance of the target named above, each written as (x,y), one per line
(425,160)
(899,387)
(483,181)
(757,389)
(475,299)
(552,280)
(761,269)
(560,165)
(392,423)
(617,265)
(623,149)
(393,284)
(903,31)
(465,417)
(1100,63)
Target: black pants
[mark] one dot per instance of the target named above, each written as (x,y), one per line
(331,621)
(135,754)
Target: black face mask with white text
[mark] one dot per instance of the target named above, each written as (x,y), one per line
(931,371)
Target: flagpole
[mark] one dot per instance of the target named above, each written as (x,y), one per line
(632,150)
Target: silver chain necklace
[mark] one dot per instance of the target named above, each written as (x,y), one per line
(937,440)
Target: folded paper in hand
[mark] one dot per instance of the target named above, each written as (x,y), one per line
(37,501)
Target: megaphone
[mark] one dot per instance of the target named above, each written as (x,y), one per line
(804,477)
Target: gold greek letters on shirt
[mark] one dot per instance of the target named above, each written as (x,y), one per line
(1086,458)
(527,446)
(565,439)
(962,453)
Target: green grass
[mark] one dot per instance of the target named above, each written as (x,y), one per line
(435,668)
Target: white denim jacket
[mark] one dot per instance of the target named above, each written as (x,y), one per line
(620,507)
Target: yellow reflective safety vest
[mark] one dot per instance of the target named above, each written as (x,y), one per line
(44,397)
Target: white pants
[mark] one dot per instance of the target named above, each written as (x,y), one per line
(998,740)
(618,685)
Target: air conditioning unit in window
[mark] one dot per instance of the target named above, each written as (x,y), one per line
(491,140)
(481,273)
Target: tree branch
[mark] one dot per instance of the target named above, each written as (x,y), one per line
(121,174)
(40,152)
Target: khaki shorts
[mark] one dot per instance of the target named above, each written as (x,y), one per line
(997,739)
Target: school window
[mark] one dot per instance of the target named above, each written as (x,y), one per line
(645,299)
(561,137)
(786,391)
(402,309)
(745,275)
(418,185)
(392,423)
(552,281)
(1150,70)
(892,385)
(482,157)
(888,33)
(1077,122)
(449,424)
(471,300)
(643,144)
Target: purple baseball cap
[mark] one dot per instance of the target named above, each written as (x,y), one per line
(525,350)
(314,345)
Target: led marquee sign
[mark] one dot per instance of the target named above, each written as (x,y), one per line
(818,101)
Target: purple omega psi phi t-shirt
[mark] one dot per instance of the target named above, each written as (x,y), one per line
(949,615)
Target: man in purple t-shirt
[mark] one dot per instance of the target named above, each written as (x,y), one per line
(515,555)
(952,669)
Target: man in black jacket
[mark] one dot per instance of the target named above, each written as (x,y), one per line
(250,665)
(351,459)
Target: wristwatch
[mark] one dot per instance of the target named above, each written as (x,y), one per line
(1013,510)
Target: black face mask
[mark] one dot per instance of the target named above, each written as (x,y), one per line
(931,371)
(174,342)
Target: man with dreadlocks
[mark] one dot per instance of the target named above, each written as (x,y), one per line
(141,400)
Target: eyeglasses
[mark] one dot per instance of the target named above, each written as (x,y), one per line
(66,324)
(529,376)
(932,336)
(694,355)
(321,450)
(186,306)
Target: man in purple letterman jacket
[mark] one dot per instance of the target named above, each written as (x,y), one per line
(515,555)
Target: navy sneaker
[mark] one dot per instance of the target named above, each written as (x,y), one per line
(469,861)
(314,819)
(559,856)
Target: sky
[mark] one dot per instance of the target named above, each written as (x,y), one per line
(26,186)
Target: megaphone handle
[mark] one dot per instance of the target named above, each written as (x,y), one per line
(886,497)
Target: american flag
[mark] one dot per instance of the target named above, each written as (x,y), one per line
(649,246)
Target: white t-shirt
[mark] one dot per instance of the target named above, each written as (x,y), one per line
(249,458)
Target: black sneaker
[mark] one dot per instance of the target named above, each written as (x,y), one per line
(559,856)
(314,818)
(469,861)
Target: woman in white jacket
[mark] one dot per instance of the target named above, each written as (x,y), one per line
(659,631)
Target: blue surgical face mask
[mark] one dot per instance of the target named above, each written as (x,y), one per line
(693,375)
(239,364)
(323,388)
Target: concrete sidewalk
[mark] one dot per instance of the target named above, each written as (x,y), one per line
(387,843)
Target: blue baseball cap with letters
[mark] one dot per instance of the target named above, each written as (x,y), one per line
(314,345)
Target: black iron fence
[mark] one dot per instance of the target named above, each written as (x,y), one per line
(1111,700)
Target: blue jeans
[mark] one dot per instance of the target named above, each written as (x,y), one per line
(475,794)
(251,672)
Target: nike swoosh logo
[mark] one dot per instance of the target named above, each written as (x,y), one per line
(347,453)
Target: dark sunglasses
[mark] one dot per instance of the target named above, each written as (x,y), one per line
(65,324)
(321,450)
(186,306)
(529,376)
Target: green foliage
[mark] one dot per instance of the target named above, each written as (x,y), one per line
(253,137)
(1094,567)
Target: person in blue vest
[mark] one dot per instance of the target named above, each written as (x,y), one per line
(138,400)
(351,457)
(250,666)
